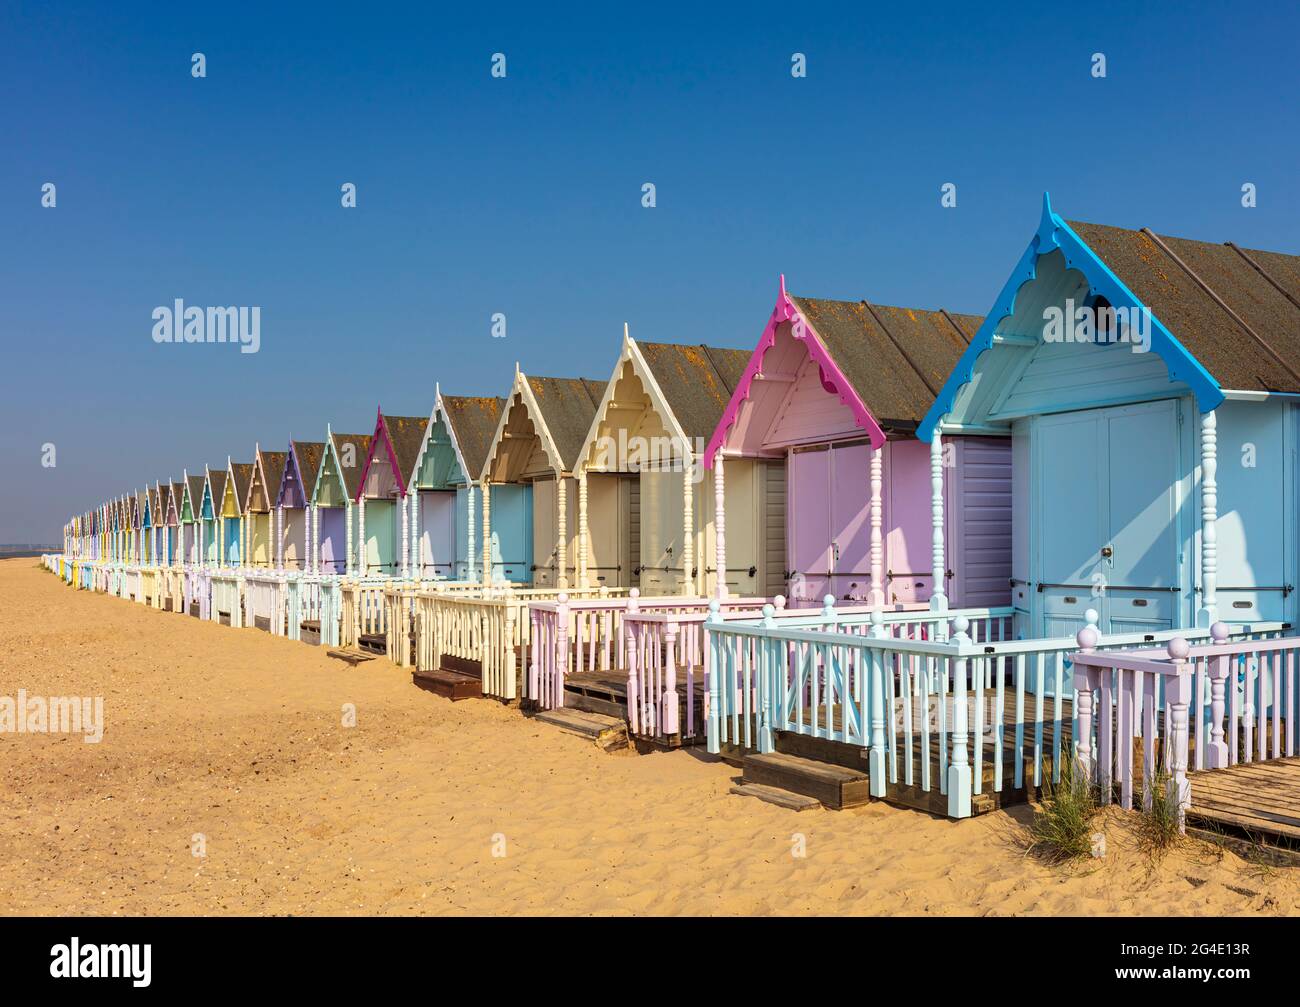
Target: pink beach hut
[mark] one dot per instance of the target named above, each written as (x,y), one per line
(827,409)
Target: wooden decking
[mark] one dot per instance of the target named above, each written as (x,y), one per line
(1258,801)
(605,692)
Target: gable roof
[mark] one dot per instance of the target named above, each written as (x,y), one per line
(473,422)
(1221,316)
(1237,310)
(360,449)
(696,381)
(195,488)
(567,405)
(399,439)
(217,481)
(272,464)
(307,457)
(241,473)
(177,501)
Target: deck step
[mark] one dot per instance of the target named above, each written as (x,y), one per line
(453,685)
(373,643)
(775,795)
(607,732)
(834,786)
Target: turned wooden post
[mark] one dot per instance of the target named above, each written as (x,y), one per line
(1178,694)
(1085,682)
(688,527)
(668,712)
(877,670)
(1216,751)
(561,646)
(562,529)
(938,595)
(720,524)
(583,531)
(1209,517)
(877,541)
(363,560)
(487,533)
(959,770)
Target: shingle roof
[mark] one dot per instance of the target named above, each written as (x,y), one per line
(406,435)
(697,381)
(218,479)
(1236,310)
(273,463)
(360,450)
(196,495)
(897,359)
(473,421)
(307,457)
(242,473)
(568,407)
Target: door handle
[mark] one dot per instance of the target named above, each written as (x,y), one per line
(1107,552)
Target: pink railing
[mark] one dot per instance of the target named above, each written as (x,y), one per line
(570,635)
(1211,706)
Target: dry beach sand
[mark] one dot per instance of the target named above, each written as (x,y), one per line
(238,736)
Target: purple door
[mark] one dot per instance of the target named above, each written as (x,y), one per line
(808,530)
(849,494)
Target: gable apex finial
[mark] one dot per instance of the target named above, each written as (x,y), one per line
(782,287)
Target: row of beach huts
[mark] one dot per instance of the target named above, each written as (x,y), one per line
(887,553)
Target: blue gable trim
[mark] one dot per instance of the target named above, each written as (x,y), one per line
(1055,234)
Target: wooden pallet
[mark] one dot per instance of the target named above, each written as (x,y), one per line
(453,685)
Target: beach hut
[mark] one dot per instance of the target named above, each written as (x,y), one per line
(383,515)
(453,460)
(175,502)
(238,476)
(338,480)
(443,496)
(192,518)
(818,471)
(539,437)
(214,525)
(261,549)
(139,503)
(1147,387)
(646,515)
(293,504)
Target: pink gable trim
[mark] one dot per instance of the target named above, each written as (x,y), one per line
(381,430)
(833,379)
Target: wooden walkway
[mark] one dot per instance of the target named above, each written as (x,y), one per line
(1257,800)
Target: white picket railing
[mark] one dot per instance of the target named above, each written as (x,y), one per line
(894,696)
(1213,705)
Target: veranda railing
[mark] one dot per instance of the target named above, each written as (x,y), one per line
(1215,704)
(488,626)
(903,698)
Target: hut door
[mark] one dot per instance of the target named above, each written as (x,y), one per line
(661,532)
(437,533)
(1142,576)
(544,560)
(908,573)
(1106,520)
(609,562)
(1252,531)
(809,529)
(849,493)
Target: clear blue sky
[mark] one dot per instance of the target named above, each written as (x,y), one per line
(523,195)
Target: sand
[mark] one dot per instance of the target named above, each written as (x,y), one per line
(425,807)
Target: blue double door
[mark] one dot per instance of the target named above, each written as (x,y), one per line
(1110,515)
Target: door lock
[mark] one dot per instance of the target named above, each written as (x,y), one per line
(1107,552)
